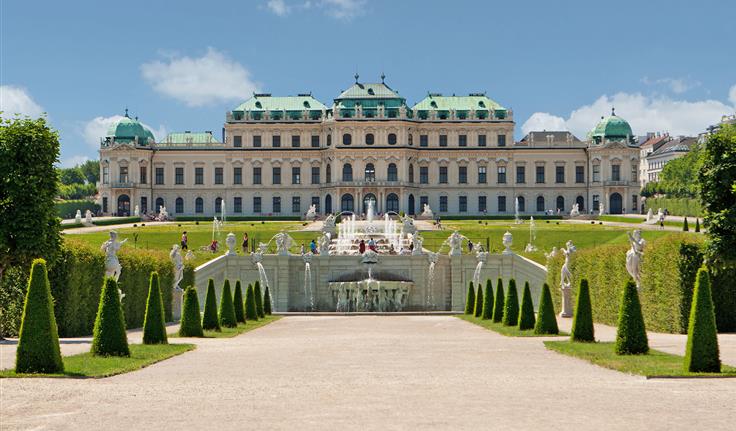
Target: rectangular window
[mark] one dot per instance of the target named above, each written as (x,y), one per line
(501,175)
(315,174)
(144,175)
(443,174)
(218,175)
(199,176)
(596,174)
(502,204)
(256,141)
(276,175)
(423,140)
(296,175)
(315,141)
(634,173)
(540,174)
(482,175)
(423,200)
(123,174)
(481,140)
(462,140)
(423,175)
(144,204)
(443,140)
(104,203)
(237,175)
(276,141)
(462,174)
(315,202)
(559,174)
(179,176)
(237,141)
(501,140)
(296,141)
(482,205)
(276,204)
(238,204)
(596,202)
(615,172)
(256,175)
(105,175)
(256,204)
(443,204)
(296,204)
(463,204)
(579,174)
(520,174)
(159,175)
(634,203)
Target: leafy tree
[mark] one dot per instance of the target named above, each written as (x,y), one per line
(546,318)
(631,336)
(28,186)
(488,301)
(478,310)
(685,228)
(109,337)
(251,310)
(267,301)
(470,299)
(210,320)
(191,323)
(701,353)
(91,170)
(38,345)
(238,303)
(259,299)
(677,176)
(498,302)
(227,309)
(511,306)
(154,327)
(73,175)
(526,316)
(76,191)
(582,321)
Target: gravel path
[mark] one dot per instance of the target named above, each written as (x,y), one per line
(369,372)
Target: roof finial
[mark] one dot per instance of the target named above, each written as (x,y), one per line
(383,78)
(613,111)
(356,77)
(126,112)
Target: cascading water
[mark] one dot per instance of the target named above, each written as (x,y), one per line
(430,280)
(476,273)
(308,293)
(264,282)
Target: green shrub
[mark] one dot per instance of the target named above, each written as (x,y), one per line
(267,301)
(478,309)
(154,328)
(723,290)
(259,299)
(701,354)
(631,336)
(470,299)
(251,311)
(498,302)
(697,225)
(210,322)
(684,225)
(38,345)
(191,322)
(511,306)
(238,303)
(109,337)
(676,206)
(526,316)
(546,318)
(227,308)
(13,287)
(488,301)
(68,209)
(582,321)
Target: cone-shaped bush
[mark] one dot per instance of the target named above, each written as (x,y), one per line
(191,323)
(582,321)
(209,320)
(251,312)
(259,299)
(109,337)
(526,316)
(701,354)
(498,302)
(154,327)
(267,302)
(631,337)
(478,310)
(38,344)
(227,309)
(470,299)
(488,301)
(511,305)
(684,225)
(238,303)
(697,225)
(546,318)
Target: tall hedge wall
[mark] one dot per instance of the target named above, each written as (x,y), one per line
(68,209)
(675,206)
(668,273)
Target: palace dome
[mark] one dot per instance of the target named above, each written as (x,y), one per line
(612,127)
(128,129)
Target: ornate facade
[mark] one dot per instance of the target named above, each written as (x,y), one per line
(282,154)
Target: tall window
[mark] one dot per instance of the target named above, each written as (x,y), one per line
(462,174)
(105,175)
(501,140)
(596,202)
(423,200)
(520,174)
(443,174)
(347,172)
(315,174)
(634,203)
(423,175)
(296,175)
(315,202)
(276,205)
(256,175)
(443,204)
(540,174)
(392,202)
(522,203)
(276,141)
(144,204)
(393,173)
(347,139)
(218,175)
(237,141)
(443,140)
(411,173)
(501,174)
(143,174)
(634,173)
(237,204)
(315,141)
(347,202)
(392,138)
(296,204)
(482,205)
(328,173)
(502,204)
(257,204)
(370,139)
(463,204)
(159,175)
(199,176)
(482,176)
(276,175)
(199,205)
(559,174)
(596,175)
(218,205)
(615,172)
(179,205)
(256,141)
(481,140)
(540,203)
(179,176)
(423,140)
(462,140)
(579,174)
(560,204)
(123,174)
(296,141)
(370,172)
(237,175)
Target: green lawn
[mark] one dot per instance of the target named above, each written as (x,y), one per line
(622,219)
(240,329)
(653,364)
(509,331)
(87,365)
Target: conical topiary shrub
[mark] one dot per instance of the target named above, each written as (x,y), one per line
(511,306)
(38,343)
(109,337)
(582,321)
(210,322)
(478,310)
(631,336)
(470,299)
(227,309)
(526,316)
(697,225)
(685,228)
(238,303)
(267,301)
(154,327)
(251,312)
(488,301)
(701,354)
(259,299)
(546,318)
(191,322)
(498,302)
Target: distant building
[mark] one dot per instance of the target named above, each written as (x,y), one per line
(649,145)
(665,152)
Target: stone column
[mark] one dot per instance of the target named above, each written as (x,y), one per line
(567,308)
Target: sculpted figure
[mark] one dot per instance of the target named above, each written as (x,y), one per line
(178,261)
(456,243)
(111,247)
(634,256)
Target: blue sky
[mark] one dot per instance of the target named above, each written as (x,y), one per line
(665,65)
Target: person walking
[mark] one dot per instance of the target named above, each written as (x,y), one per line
(184,241)
(245,242)
(361,247)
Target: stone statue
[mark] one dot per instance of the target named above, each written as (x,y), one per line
(456,243)
(137,211)
(230,242)
(112,264)
(283,243)
(178,262)
(566,280)
(323,244)
(601,209)
(336,111)
(649,215)
(311,212)
(575,210)
(88,217)
(508,240)
(328,226)
(552,254)
(189,256)
(358,110)
(407,226)
(402,111)
(417,243)
(634,256)
(427,212)
(78,217)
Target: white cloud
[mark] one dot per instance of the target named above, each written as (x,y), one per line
(676,85)
(96,128)
(279,7)
(644,113)
(73,161)
(205,80)
(338,9)
(16,100)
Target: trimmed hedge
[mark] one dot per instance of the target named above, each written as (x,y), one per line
(470,299)
(631,335)
(191,322)
(68,209)
(498,302)
(38,348)
(478,309)
(526,316)
(241,218)
(227,309)
(511,306)
(154,329)
(109,337)
(582,322)
(210,320)
(676,206)
(547,318)
(488,301)
(267,301)
(723,289)
(701,353)
(251,311)
(498,217)
(259,299)
(238,303)
(117,220)
(685,227)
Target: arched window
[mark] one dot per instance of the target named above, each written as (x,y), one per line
(179,205)
(540,203)
(522,204)
(123,205)
(159,204)
(411,173)
(392,172)
(347,139)
(328,173)
(411,204)
(392,138)
(218,204)
(199,205)
(328,204)
(369,139)
(370,172)
(347,203)
(560,203)
(347,172)
(329,139)
(581,203)
(392,202)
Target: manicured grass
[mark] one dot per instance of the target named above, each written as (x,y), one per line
(87,365)
(240,329)
(509,331)
(653,364)
(622,219)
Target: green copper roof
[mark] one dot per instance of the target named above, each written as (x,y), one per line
(127,129)
(369,91)
(190,138)
(459,103)
(612,127)
(266,102)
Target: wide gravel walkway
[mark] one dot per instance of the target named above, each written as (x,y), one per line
(369,372)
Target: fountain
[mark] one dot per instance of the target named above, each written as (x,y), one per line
(257,259)
(222,211)
(433,258)
(517,219)
(482,256)
(308,293)
(530,247)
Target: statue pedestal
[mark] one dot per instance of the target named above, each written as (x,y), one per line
(176,298)
(567,310)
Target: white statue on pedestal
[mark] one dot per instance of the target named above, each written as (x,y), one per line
(575,210)
(230,242)
(601,209)
(566,280)
(112,264)
(311,213)
(634,256)
(417,245)
(137,211)
(178,262)
(78,217)
(407,226)
(427,212)
(283,243)
(456,244)
(323,244)
(508,240)
(649,215)
(88,217)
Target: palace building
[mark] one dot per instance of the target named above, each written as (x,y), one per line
(281,154)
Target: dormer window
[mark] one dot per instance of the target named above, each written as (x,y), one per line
(371,92)
(258,105)
(306,104)
(433,104)
(481,104)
